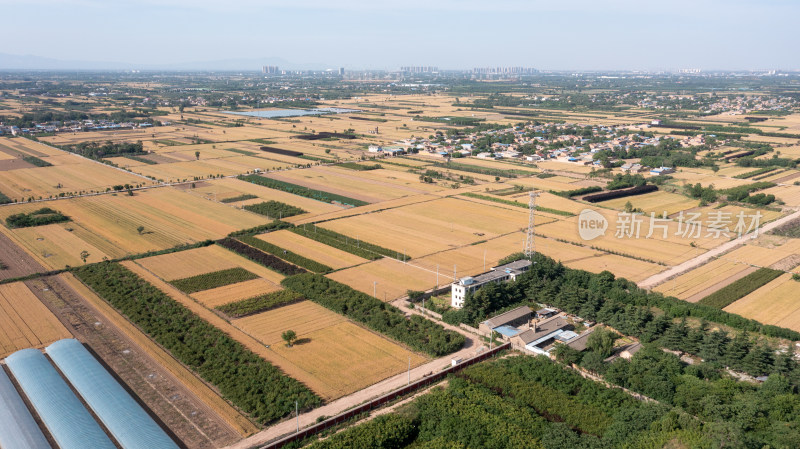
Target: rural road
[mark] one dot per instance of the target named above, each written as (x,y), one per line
(344,403)
(704,258)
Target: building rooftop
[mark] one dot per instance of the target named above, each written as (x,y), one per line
(508,317)
(543,328)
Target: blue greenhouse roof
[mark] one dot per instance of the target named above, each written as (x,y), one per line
(18,429)
(124,418)
(68,421)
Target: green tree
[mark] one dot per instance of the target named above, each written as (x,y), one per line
(602,341)
(84,255)
(140,230)
(289,337)
(197,155)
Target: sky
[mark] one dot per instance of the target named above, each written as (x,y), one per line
(377,34)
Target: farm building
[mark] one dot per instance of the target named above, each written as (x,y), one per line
(52,395)
(469,284)
(541,334)
(507,322)
(662,171)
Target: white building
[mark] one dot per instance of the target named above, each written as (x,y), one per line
(468,284)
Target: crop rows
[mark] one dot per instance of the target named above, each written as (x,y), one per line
(261,303)
(740,288)
(301,190)
(308,264)
(243,377)
(260,257)
(215,279)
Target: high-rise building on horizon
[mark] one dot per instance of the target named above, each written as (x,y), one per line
(270,70)
(419,69)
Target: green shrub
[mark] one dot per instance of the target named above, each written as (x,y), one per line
(274,209)
(43,216)
(260,303)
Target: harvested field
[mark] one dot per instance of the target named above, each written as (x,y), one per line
(433,226)
(107,225)
(775,303)
(704,280)
(216,297)
(199,261)
(393,278)
(312,249)
(342,356)
(285,362)
(656,202)
(24,321)
(265,194)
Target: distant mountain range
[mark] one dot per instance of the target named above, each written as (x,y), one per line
(31,62)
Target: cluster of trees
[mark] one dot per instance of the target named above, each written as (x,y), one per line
(260,303)
(417,332)
(775,161)
(97,150)
(297,259)
(244,378)
(214,279)
(358,247)
(5,199)
(577,192)
(30,119)
(260,257)
(742,194)
(360,167)
(667,153)
(618,303)
(275,209)
(623,181)
(638,190)
(295,189)
(739,194)
(527,403)
(38,217)
(740,288)
(274,225)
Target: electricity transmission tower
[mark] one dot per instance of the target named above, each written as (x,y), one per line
(530,245)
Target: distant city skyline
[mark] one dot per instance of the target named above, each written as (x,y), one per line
(449,34)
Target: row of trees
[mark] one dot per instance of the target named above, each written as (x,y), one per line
(244,378)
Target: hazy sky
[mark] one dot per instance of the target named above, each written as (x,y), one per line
(559,34)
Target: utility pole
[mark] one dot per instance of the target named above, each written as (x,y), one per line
(437,276)
(297,416)
(374,289)
(409,370)
(484,259)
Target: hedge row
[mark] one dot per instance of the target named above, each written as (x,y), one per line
(259,304)
(417,332)
(244,378)
(301,190)
(275,209)
(760,171)
(359,167)
(214,279)
(576,192)
(639,190)
(308,264)
(740,288)
(340,241)
(260,257)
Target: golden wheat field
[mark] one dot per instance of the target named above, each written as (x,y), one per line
(312,249)
(216,297)
(656,202)
(394,278)
(423,228)
(109,225)
(775,303)
(702,279)
(328,347)
(24,321)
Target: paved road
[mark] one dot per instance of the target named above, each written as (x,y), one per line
(704,258)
